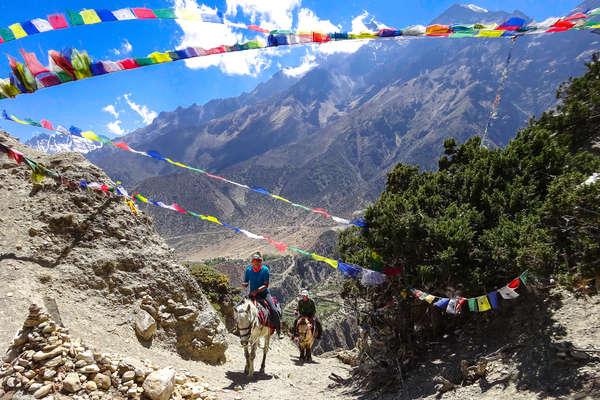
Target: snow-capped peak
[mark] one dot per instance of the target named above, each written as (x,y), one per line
(475,8)
(52,144)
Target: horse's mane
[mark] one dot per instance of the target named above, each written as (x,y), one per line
(253,311)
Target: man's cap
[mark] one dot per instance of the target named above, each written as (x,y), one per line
(257,256)
(304,293)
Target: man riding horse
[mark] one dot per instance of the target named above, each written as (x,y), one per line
(257,276)
(306,308)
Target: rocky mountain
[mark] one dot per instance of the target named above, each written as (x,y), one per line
(98,268)
(327,139)
(52,144)
(471,14)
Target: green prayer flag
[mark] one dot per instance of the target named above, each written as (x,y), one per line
(30,163)
(462,34)
(7,34)
(32,122)
(253,44)
(281,32)
(105,140)
(472,304)
(144,61)
(75,18)
(64,77)
(523,276)
(81,62)
(197,170)
(300,251)
(301,206)
(165,13)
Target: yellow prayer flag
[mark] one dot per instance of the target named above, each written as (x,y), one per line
(131,205)
(18,120)
(141,198)
(37,176)
(176,163)
(184,13)
(329,261)
(280,198)
(90,135)
(483,304)
(489,33)
(89,17)
(213,219)
(160,57)
(18,31)
(429,298)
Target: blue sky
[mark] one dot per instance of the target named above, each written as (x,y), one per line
(124,101)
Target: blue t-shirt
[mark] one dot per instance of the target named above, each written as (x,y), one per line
(257,279)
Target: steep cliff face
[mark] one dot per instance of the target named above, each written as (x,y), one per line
(101,268)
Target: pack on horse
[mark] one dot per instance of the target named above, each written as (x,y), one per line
(306,339)
(252,319)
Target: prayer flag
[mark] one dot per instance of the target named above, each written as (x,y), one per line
(576,16)
(105,15)
(34,66)
(514,284)
(160,57)
(251,235)
(442,303)
(81,64)
(29,28)
(122,145)
(90,135)
(90,17)
(329,261)
(123,14)
(6,34)
(371,278)
(75,131)
(489,33)
(213,219)
(321,211)
(128,63)
(143,13)
(58,21)
(280,198)
(348,270)
(472,304)
(184,13)
(155,154)
(41,24)
(257,29)
(179,209)
(340,220)
(280,246)
(75,18)
(47,124)
(493,299)
(301,206)
(429,298)
(508,293)
(482,303)
(166,13)
(17,30)
(523,276)
(214,18)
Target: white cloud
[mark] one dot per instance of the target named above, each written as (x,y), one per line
(111,110)
(125,48)
(269,14)
(146,114)
(115,128)
(308,21)
(308,63)
(207,35)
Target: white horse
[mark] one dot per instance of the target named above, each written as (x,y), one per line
(246,316)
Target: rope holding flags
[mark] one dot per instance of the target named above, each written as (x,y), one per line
(154,154)
(481,303)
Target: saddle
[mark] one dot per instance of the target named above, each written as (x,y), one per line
(264,312)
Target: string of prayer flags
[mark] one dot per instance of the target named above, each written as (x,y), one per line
(476,304)
(95,16)
(511,28)
(39,172)
(154,154)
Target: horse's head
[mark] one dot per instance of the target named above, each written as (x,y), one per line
(245,315)
(303,326)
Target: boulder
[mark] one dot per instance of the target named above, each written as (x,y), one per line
(145,325)
(71,382)
(159,385)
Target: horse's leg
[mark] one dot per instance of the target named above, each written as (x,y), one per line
(309,353)
(247,356)
(267,340)
(252,356)
(301,352)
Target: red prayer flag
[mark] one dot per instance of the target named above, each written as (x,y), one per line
(575,16)
(280,246)
(47,124)
(515,283)
(321,37)
(417,293)
(58,21)
(16,155)
(122,145)
(63,63)
(563,24)
(128,63)
(460,303)
(216,50)
(143,13)
(1,40)
(320,210)
(258,29)
(181,210)
(557,30)
(34,66)
(392,271)
(104,188)
(216,177)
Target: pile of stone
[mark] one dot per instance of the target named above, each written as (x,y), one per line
(45,362)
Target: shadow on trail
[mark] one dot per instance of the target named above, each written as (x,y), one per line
(240,378)
(298,362)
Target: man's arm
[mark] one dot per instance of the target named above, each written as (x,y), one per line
(246,279)
(260,289)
